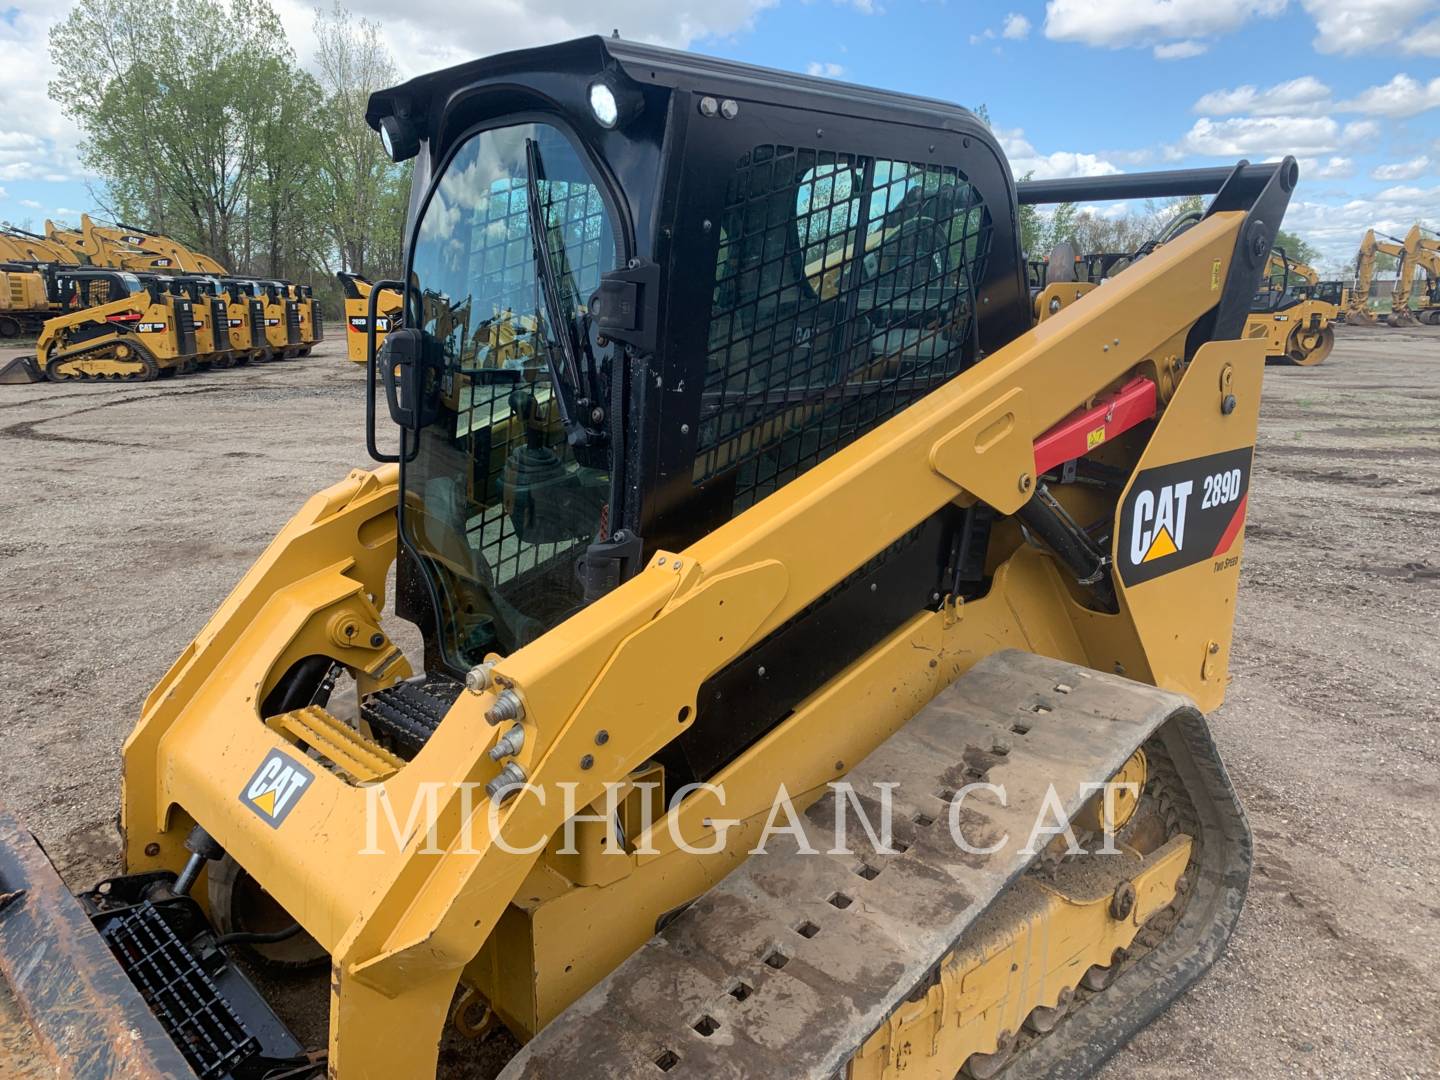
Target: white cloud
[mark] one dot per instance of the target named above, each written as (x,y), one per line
(1024,158)
(1337,168)
(1016,27)
(1273,136)
(1402,170)
(1423,40)
(4,194)
(1352,26)
(824,69)
(1121,23)
(30,204)
(1180,50)
(1305,96)
(1401,96)
(1336,227)
(36,141)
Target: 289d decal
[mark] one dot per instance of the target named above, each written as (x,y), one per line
(1180,514)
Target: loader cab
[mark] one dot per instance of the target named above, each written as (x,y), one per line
(646,289)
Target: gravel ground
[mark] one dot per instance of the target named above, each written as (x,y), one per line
(128,513)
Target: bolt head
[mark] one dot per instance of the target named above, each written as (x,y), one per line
(587,761)
(709,106)
(1026,482)
(1227,404)
(729,109)
(376,640)
(602,737)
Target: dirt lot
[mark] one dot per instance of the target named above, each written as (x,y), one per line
(127,513)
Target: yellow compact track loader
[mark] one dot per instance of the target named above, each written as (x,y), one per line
(115,326)
(210,312)
(356,290)
(245,306)
(312,319)
(709,561)
(1296,326)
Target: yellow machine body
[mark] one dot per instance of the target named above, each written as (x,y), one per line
(1416,294)
(143,335)
(24,303)
(1102,434)
(356,290)
(123,247)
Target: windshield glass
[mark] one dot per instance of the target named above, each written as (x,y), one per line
(495,503)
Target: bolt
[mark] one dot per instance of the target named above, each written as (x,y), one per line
(684,429)
(587,761)
(729,109)
(1026,481)
(597,415)
(874,587)
(508,706)
(705,225)
(376,640)
(509,744)
(662,560)
(506,782)
(1214,647)
(1227,404)
(349,629)
(151,850)
(760,671)
(602,737)
(709,106)
(478,679)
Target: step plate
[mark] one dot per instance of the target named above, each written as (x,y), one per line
(1016,720)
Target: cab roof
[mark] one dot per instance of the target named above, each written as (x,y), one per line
(650,64)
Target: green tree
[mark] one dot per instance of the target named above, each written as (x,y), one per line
(1296,249)
(195,119)
(365,192)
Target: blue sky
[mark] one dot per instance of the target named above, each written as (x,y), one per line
(1352,87)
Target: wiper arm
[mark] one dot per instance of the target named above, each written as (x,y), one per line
(568,381)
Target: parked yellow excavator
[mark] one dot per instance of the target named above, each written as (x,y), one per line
(24,301)
(708,559)
(17,245)
(356,290)
(126,247)
(1416,294)
(1297,326)
(1359,311)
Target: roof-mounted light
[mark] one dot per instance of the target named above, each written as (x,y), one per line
(399,137)
(613,102)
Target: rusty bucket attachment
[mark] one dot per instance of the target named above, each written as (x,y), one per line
(86,1014)
(21,369)
(129,979)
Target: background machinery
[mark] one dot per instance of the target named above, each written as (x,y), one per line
(356,291)
(684,524)
(1359,310)
(1297,326)
(1416,296)
(115,326)
(17,245)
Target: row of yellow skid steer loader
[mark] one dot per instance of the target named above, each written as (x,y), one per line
(734,487)
(117,325)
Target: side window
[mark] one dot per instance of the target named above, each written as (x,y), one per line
(843,293)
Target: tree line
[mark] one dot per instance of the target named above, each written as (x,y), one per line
(200,123)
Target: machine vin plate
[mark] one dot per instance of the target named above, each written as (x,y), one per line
(767,975)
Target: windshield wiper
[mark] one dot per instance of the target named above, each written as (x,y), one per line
(567,378)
